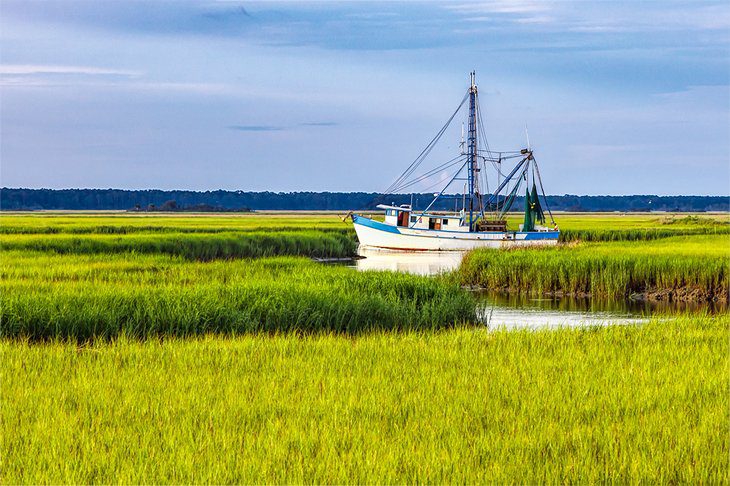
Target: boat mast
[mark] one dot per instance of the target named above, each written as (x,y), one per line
(472,147)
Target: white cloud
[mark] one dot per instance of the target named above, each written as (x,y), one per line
(501,7)
(30,69)
(600,17)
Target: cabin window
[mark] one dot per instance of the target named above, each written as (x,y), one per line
(446,221)
(413,219)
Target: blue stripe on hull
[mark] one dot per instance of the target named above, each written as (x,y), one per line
(370,223)
(540,235)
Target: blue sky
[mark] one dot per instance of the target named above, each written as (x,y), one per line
(619,97)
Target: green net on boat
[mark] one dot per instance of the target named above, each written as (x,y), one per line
(533,210)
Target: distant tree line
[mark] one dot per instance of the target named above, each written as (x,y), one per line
(211,201)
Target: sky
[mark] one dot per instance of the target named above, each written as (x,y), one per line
(618,97)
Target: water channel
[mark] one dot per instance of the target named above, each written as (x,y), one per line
(518,311)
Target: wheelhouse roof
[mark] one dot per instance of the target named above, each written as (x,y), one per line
(416,212)
(387,206)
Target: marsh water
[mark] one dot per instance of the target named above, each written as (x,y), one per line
(520,311)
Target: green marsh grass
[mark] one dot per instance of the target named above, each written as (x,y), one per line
(618,404)
(195,237)
(144,349)
(196,246)
(627,228)
(102,296)
(155,222)
(633,227)
(686,264)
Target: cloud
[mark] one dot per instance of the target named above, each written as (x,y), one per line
(279,128)
(319,124)
(599,17)
(75,77)
(257,128)
(53,75)
(501,7)
(30,69)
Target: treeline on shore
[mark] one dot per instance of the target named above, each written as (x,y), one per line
(14,199)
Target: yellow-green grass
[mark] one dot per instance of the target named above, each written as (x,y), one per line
(689,266)
(620,404)
(623,228)
(194,237)
(629,226)
(198,246)
(105,295)
(129,223)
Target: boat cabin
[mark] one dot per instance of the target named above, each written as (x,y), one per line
(406,217)
(396,215)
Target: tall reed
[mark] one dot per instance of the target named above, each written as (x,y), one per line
(251,244)
(618,404)
(102,296)
(681,264)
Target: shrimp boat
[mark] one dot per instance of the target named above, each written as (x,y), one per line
(481,220)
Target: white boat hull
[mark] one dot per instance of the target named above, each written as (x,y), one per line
(374,234)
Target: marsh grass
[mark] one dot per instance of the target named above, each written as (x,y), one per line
(194,246)
(101,296)
(639,234)
(80,223)
(633,227)
(145,350)
(615,269)
(607,227)
(619,404)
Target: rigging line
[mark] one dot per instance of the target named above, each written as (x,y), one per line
(509,177)
(409,186)
(494,164)
(497,168)
(432,172)
(486,179)
(483,134)
(428,148)
(442,191)
(500,151)
(539,179)
(410,171)
(503,155)
(481,123)
(507,193)
(435,169)
(511,198)
(436,184)
(503,158)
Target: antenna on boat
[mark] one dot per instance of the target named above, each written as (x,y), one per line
(527,135)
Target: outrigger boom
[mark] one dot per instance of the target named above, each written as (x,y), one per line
(405,228)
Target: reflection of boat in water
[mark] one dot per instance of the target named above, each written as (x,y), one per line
(481,221)
(420,263)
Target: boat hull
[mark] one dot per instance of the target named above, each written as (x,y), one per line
(374,234)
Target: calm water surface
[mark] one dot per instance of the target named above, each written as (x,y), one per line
(513,311)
